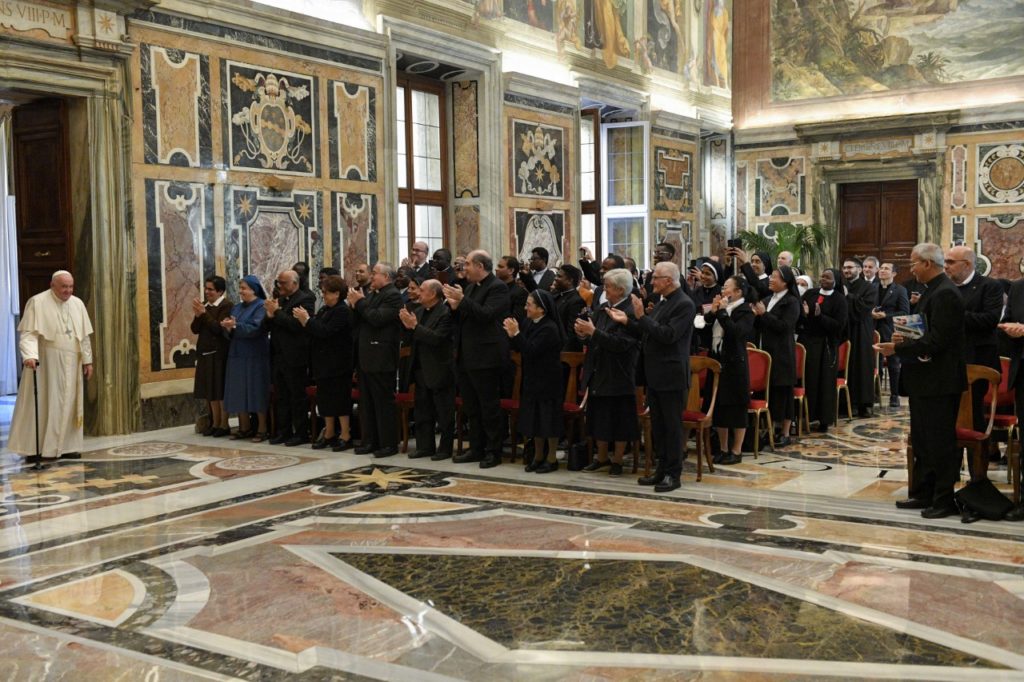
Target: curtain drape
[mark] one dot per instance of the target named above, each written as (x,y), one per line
(9,307)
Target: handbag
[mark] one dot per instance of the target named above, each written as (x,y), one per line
(981,499)
(578,457)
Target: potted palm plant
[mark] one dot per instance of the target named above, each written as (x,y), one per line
(809,244)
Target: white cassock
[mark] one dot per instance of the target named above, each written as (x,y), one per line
(56,333)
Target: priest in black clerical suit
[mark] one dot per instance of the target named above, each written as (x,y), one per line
(1012,331)
(289,345)
(861,299)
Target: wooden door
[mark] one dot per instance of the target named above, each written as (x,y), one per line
(879,219)
(42,193)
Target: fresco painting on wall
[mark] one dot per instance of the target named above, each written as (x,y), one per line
(538,161)
(606,25)
(880,45)
(536,13)
(717,42)
(540,228)
(663,42)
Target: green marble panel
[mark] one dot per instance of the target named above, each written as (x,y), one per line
(629,606)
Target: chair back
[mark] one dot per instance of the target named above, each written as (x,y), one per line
(760,365)
(801,361)
(965,417)
(574,361)
(517,358)
(843,363)
(1005,395)
(700,368)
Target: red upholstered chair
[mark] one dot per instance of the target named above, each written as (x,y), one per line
(1006,420)
(803,415)
(975,442)
(701,369)
(842,385)
(405,400)
(572,409)
(760,365)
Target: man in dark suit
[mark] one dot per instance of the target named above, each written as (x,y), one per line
(934,376)
(289,348)
(663,253)
(441,267)
(983,306)
(481,347)
(507,271)
(1012,331)
(418,261)
(363,277)
(666,334)
(569,303)
(433,371)
(861,299)
(892,300)
(379,336)
(539,276)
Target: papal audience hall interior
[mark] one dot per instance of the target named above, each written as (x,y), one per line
(592,340)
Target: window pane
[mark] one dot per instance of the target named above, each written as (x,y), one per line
(587,176)
(626,238)
(426,142)
(625,166)
(400,103)
(429,226)
(588,233)
(403,228)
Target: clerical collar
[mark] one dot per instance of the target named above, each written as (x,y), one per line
(216,303)
(968,280)
(827,292)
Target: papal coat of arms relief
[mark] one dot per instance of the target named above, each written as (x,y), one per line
(268,131)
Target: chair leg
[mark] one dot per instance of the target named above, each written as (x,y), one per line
(707,450)
(458,432)
(979,459)
(849,404)
(1013,463)
(757,433)
(513,436)
(799,418)
(807,416)
(771,429)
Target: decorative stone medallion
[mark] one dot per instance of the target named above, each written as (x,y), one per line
(1001,174)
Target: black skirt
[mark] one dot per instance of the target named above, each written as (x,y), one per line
(210,368)
(781,403)
(541,419)
(612,418)
(334,396)
(730,416)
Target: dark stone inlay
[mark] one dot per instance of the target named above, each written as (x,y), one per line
(674,134)
(758,519)
(658,607)
(538,103)
(986,127)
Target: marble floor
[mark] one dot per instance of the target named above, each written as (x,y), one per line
(168,556)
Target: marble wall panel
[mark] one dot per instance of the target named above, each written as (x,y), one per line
(959,229)
(741,195)
(678,234)
(673,179)
(538,159)
(180,248)
(467,228)
(958,163)
(353,131)
(780,186)
(466,141)
(270,231)
(719,171)
(1001,174)
(175,107)
(539,228)
(999,245)
(270,119)
(355,219)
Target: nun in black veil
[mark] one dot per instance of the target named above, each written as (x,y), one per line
(540,343)
(821,329)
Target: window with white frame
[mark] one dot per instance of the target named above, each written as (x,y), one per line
(421,158)
(590,183)
(624,191)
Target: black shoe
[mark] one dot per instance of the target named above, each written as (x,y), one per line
(220,433)
(597,465)
(1015,514)
(939,512)
(865,413)
(912,503)
(653,479)
(531,466)
(667,484)
(242,435)
(323,443)
(615,469)
(340,445)
(716,459)
(38,462)
(821,428)
(295,440)
(208,432)
(782,441)
(389,451)
(969,516)
(731,458)
(420,454)
(440,456)
(71,455)
(467,457)
(280,438)
(894,401)
(546,467)
(490,462)
(366,449)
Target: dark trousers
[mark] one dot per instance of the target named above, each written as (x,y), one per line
(481,403)
(434,407)
(893,364)
(667,430)
(936,456)
(290,410)
(378,416)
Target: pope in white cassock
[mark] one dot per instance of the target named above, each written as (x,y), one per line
(54,342)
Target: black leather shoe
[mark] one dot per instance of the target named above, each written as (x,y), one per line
(220,433)
(782,441)
(467,457)
(667,485)
(341,445)
(390,451)
(280,438)
(366,449)
(717,459)
(546,467)
(490,462)
(295,440)
(597,465)
(894,402)
(208,432)
(865,413)
(939,512)
(911,503)
(615,469)
(653,479)
(420,454)
(71,455)
(731,458)
(322,443)
(1015,514)
(531,466)
(440,456)
(969,516)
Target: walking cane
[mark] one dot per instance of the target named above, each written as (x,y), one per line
(38,466)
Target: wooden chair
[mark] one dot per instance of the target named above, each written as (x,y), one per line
(975,442)
(511,405)
(405,401)
(1005,399)
(842,386)
(876,339)
(572,410)
(803,415)
(760,366)
(643,415)
(696,419)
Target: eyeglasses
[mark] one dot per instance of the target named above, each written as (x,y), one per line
(419,250)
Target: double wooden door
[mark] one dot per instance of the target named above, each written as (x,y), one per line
(879,219)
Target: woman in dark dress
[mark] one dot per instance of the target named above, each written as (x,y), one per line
(609,374)
(732,325)
(540,398)
(330,333)
(212,347)
(247,380)
(775,325)
(822,328)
